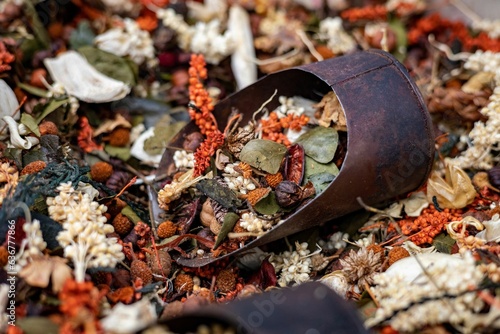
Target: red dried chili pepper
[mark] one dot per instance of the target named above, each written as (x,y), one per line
(294,165)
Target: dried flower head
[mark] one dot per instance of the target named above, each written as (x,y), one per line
(8,180)
(122,224)
(101,171)
(397,253)
(360,267)
(183,283)
(166,229)
(33,167)
(226,281)
(139,269)
(293,266)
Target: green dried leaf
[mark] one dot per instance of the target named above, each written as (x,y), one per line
(122,153)
(399,29)
(267,205)
(321,181)
(110,65)
(230,219)
(50,107)
(130,214)
(33,90)
(320,143)
(263,154)
(313,167)
(37,325)
(163,133)
(443,243)
(30,123)
(219,193)
(81,36)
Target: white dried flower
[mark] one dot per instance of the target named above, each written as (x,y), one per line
(252,223)
(129,40)
(84,231)
(360,267)
(331,30)
(31,246)
(205,38)
(16,131)
(336,241)
(441,297)
(485,136)
(293,266)
(183,159)
(235,180)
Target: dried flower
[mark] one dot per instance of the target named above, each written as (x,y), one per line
(122,224)
(8,180)
(166,229)
(174,190)
(293,266)
(226,281)
(183,159)
(252,223)
(33,167)
(101,171)
(360,267)
(338,40)
(85,135)
(128,40)
(397,253)
(336,241)
(84,235)
(235,179)
(183,283)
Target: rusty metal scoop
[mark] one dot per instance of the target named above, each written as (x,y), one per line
(390,145)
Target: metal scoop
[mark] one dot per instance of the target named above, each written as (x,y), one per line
(390,145)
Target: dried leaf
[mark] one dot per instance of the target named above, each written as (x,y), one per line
(82,80)
(455,191)
(230,219)
(110,65)
(491,230)
(130,214)
(33,90)
(122,153)
(313,167)
(320,143)
(163,133)
(30,123)
(219,193)
(37,325)
(82,35)
(443,243)
(415,204)
(263,154)
(267,205)
(321,181)
(331,111)
(50,107)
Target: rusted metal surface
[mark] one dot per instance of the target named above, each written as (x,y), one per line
(390,145)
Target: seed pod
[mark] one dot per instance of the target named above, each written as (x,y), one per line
(139,269)
(288,194)
(294,165)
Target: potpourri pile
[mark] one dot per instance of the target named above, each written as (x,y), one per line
(92,92)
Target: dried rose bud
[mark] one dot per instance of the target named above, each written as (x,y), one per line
(288,194)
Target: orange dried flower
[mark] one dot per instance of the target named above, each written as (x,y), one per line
(123,295)
(5,58)
(206,150)
(226,281)
(245,169)
(48,128)
(166,229)
(85,134)
(122,224)
(274,179)
(397,253)
(119,137)
(147,19)
(254,196)
(101,171)
(183,283)
(34,167)
(366,13)
(4,256)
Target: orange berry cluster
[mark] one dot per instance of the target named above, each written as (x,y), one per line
(272,127)
(5,58)
(455,30)
(429,224)
(368,13)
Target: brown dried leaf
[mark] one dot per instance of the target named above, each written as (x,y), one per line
(110,124)
(455,191)
(331,111)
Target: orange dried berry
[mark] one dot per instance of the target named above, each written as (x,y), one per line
(119,137)
(166,229)
(101,171)
(226,281)
(122,224)
(397,253)
(139,269)
(4,256)
(274,179)
(48,128)
(34,167)
(254,196)
(183,283)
